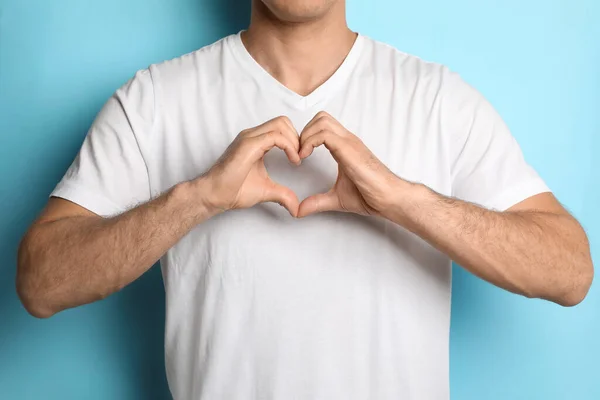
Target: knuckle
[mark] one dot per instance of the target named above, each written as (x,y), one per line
(284,119)
(244,133)
(282,123)
(323,114)
(318,123)
(325,125)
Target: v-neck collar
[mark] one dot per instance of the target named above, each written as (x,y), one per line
(290,97)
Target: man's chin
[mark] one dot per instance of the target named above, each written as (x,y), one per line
(297,11)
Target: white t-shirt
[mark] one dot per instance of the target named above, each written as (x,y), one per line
(334,306)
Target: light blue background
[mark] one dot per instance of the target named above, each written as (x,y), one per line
(537,61)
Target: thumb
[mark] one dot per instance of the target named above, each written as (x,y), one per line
(319,203)
(277,193)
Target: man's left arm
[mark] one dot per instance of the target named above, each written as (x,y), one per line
(532,247)
(535,248)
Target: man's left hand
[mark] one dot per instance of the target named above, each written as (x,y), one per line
(364,184)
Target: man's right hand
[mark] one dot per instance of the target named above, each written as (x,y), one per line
(239,178)
(72,256)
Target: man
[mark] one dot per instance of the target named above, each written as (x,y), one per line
(416,166)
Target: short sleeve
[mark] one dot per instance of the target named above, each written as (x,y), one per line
(488,167)
(109,174)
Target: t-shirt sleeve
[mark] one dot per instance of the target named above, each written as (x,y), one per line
(109,174)
(488,167)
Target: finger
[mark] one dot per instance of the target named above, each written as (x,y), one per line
(282,124)
(319,203)
(268,126)
(292,130)
(293,137)
(277,193)
(321,121)
(267,141)
(324,137)
(318,116)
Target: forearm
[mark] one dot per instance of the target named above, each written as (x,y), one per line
(77,260)
(536,254)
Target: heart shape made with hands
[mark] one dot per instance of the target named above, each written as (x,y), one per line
(362,180)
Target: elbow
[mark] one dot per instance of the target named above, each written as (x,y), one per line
(30,292)
(34,304)
(579,287)
(582,275)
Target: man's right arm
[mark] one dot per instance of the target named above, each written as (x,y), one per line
(71,256)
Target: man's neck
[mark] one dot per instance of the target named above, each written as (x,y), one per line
(300,55)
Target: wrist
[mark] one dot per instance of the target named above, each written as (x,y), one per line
(406,198)
(194,197)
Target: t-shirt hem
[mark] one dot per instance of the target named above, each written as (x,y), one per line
(515,195)
(86,198)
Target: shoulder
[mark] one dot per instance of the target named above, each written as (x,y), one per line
(177,70)
(153,87)
(427,80)
(387,61)
(205,63)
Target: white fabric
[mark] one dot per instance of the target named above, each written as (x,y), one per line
(334,306)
